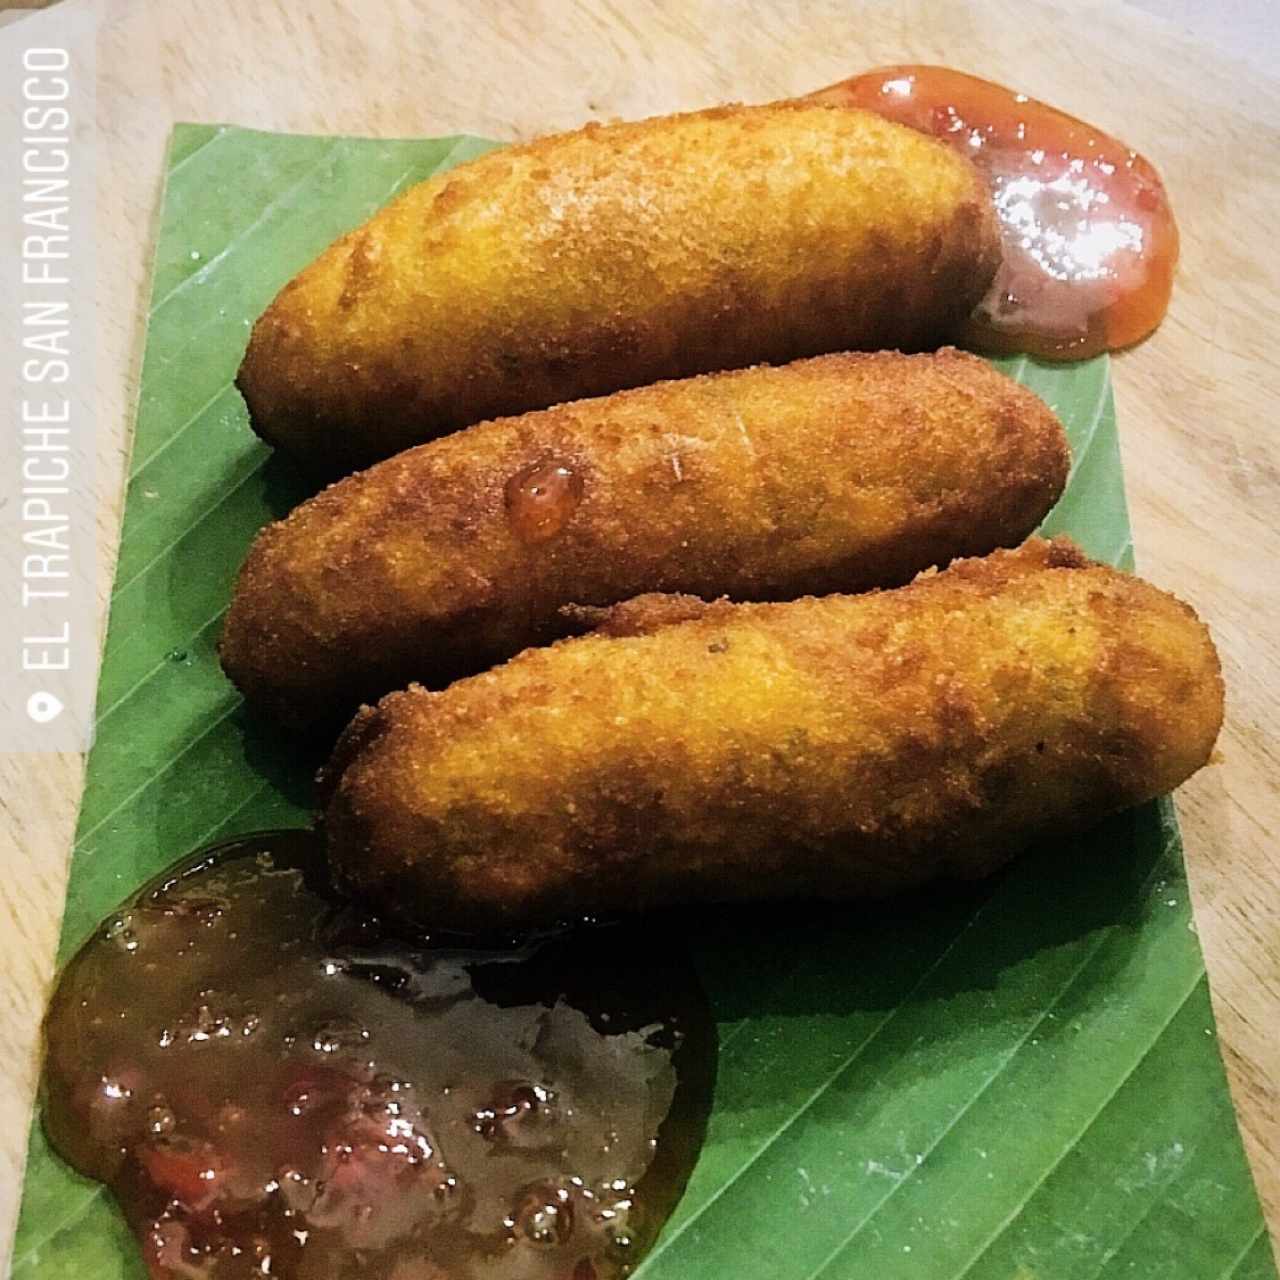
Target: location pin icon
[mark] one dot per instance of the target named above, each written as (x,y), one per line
(43,707)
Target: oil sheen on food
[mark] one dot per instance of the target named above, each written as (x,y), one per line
(273,1083)
(1088,236)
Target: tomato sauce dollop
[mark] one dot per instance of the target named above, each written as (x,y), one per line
(1089,238)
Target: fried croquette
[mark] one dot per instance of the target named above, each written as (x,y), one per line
(832,474)
(826,748)
(612,257)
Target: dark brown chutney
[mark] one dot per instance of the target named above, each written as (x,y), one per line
(273,1083)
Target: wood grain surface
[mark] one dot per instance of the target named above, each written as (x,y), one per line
(1196,403)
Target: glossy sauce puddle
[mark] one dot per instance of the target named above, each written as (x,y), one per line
(274,1083)
(1088,237)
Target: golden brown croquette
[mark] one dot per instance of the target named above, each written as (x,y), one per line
(833,474)
(614,256)
(829,748)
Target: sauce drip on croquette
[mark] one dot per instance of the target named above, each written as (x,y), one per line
(273,1083)
(541,500)
(1088,235)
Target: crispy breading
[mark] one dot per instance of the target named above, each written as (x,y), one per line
(614,256)
(833,474)
(828,748)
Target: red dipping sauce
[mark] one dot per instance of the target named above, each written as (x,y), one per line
(1090,242)
(274,1083)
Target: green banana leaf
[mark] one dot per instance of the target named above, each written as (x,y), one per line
(1019,1080)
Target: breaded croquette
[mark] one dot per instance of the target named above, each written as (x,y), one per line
(829,748)
(612,257)
(833,474)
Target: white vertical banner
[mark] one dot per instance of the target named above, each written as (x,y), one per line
(48,632)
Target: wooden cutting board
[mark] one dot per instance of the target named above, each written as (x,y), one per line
(1196,403)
